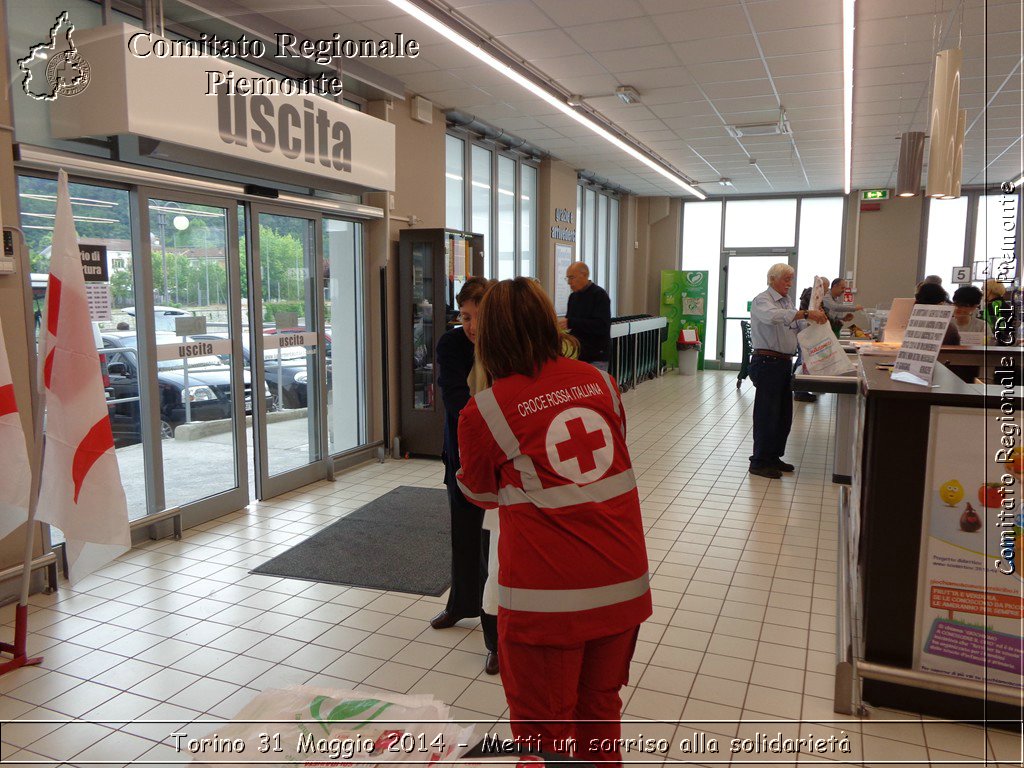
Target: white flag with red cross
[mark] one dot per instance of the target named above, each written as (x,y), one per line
(15,488)
(81,491)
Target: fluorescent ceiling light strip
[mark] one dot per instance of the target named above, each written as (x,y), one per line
(848,9)
(477,52)
(186,211)
(76,218)
(74,200)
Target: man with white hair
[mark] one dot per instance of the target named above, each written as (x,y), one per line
(773,327)
(588,316)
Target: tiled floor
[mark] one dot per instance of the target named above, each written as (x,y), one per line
(744,574)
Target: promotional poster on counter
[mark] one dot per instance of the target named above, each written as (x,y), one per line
(970,594)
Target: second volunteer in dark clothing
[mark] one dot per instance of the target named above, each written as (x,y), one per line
(588,316)
(455,358)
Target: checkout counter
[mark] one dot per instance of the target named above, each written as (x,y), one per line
(970,363)
(925,621)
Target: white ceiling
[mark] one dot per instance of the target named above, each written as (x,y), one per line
(702,64)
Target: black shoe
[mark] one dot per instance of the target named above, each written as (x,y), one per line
(444,620)
(805,397)
(783,466)
(770,472)
(491,663)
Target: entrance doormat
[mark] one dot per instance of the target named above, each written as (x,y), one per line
(400,542)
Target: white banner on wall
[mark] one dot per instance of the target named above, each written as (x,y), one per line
(185,101)
(563,258)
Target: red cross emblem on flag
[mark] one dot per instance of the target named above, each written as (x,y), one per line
(579,445)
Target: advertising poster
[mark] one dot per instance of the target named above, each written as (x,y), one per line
(970,597)
(563,258)
(97,281)
(684,301)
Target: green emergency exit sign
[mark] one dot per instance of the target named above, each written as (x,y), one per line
(874,194)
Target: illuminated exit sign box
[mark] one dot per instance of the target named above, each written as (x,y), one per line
(874,194)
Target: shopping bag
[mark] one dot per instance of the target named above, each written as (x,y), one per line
(818,292)
(821,352)
(307,725)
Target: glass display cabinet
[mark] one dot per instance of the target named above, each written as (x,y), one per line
(433,264)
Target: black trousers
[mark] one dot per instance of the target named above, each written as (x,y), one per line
(469,565)
(773,407)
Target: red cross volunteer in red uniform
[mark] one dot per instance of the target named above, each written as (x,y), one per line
(546,445)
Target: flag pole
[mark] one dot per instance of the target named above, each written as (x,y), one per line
(80,426)
(18,649)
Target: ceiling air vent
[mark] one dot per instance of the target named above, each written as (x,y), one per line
(778,128)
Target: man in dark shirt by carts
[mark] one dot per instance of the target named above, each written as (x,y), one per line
(588,316)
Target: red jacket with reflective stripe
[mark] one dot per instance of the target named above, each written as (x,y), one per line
(550,452)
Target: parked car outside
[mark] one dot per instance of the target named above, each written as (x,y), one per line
(209,387)
(163,317)
(286,375)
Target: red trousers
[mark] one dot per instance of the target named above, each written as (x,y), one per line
(553,690)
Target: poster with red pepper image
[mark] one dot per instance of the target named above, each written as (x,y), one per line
(970,597)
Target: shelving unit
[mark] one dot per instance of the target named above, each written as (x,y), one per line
(433,264)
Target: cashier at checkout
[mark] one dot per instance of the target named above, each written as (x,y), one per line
(966,307)
(931,293)
(838,311)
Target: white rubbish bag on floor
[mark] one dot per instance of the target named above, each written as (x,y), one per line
(306,725)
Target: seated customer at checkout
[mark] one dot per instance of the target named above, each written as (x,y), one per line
(930,293)
(966,308)
(838,311)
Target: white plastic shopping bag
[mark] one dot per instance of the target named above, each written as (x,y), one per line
(821,351)
(306,726)
(818,292)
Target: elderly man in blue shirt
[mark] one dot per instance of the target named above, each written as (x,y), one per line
(774,323)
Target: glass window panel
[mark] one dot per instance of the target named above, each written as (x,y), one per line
(577,255)
(286,252)
(602,241)
(995,236)
(760,223)
(480,196)
(528,217)
(821,240)
(947,222)
(590,216)
(190,272)
(748,276)
(343,335)
(733,341)
(702,250)
(506,218)
(613,254)
(422,327)
(454,183)
(102,218)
